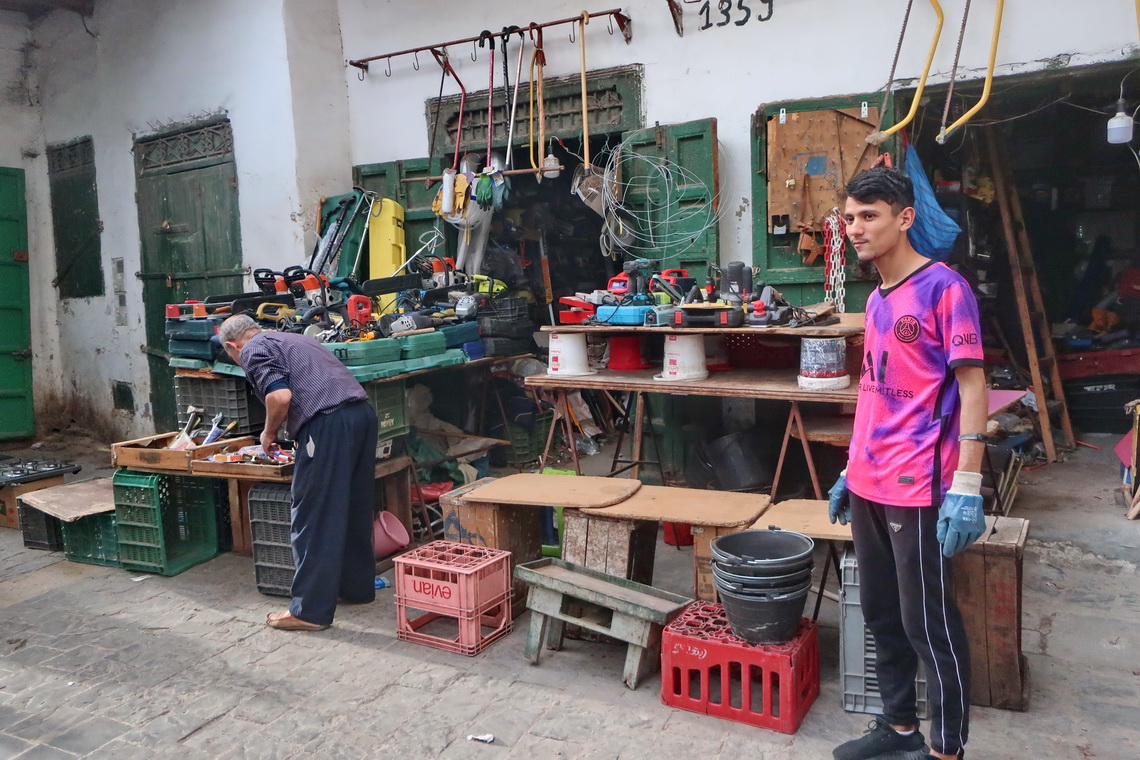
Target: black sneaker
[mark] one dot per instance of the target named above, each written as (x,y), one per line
(879,739)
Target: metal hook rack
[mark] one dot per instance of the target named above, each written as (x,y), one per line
(617,16)
(415,61)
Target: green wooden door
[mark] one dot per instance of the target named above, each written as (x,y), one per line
(16,416)
(191,249)
(386,180)
(674,212)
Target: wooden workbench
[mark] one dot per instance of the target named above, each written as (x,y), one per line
(850,324)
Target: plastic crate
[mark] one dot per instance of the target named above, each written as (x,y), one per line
(857,651)
(165,524)
(229,396)
(706,669)
(494,327)
(273,554)
(92,540)
(462,591)
(192,349)
(277,534)
(391,414)
(195,328)
(274,581)
(452,578)
(508,307)
(507,346)
(271,502)
(527,445)
(41,531)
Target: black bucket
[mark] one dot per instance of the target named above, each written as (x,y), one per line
(773,551)
(761,593)
(739,462)
(773,620)
(787,580)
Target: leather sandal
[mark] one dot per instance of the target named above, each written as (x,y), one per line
(283,621)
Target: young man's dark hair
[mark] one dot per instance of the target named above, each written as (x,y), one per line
(883,183)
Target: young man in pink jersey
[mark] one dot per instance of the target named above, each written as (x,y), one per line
(912,488)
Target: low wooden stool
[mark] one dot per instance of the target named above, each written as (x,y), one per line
(563,592)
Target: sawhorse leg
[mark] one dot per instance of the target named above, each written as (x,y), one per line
(795,418)
(563,415)
(636,410)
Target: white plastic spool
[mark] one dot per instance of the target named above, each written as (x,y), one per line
(823,364)
(447,197)
(684,359)
(568,357)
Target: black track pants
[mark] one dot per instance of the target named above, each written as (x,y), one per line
(333,499)
(907,597)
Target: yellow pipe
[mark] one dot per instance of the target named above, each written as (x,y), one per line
(878,138)
(989,79)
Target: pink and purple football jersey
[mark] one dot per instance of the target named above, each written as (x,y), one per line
(904,448)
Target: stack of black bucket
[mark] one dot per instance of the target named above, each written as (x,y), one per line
(762,577)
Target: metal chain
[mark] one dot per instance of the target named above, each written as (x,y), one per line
(954,68)
(894,65)
(835,268)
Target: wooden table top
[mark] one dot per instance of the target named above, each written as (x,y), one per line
(779,384)
(807,516)
(688,505)
(849,325)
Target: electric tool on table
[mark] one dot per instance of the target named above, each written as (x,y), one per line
(636,301)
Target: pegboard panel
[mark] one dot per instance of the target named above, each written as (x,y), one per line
(823,149)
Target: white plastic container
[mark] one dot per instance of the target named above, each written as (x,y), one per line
(684,359)
(568,357)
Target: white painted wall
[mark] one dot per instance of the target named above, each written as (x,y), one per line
(22,147)
(809,48)
(147,66)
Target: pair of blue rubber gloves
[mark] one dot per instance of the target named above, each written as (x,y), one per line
(961,520)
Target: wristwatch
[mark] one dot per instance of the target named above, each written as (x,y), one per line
(975,437)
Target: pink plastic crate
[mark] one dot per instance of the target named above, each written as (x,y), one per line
(463,634)
(453,579)
(706,669)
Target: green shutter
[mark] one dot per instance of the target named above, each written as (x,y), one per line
(385,180)
(679,219)
(75,219)
(775,256)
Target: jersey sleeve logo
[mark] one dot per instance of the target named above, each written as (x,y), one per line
(907,329)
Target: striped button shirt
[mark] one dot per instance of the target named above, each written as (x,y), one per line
(316,378)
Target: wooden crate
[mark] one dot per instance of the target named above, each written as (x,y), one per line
(515,528)
(265,473)
(9,513)
(619,547)
(987,583)
(150,453)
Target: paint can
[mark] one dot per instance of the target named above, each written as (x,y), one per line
(568,357)
(823,364)
(684,359)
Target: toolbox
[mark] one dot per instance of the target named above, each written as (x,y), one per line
(425,344)
(362,352)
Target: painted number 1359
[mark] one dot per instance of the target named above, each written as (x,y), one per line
(725,10)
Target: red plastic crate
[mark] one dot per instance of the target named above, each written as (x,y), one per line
(708,670)
(453,579)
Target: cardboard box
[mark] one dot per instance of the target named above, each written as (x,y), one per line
(9,513)
(150,453)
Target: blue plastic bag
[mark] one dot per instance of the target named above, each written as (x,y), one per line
(933,233)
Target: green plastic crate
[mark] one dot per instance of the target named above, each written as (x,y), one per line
(527,445)
(165,523)
(92,540)
(388,399)
(419,346)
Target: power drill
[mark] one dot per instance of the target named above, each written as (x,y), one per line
(638,272)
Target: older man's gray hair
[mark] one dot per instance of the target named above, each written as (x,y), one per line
(235,328)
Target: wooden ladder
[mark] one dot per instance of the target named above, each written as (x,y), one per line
(1031,309)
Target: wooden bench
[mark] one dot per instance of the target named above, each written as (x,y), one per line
(563,592)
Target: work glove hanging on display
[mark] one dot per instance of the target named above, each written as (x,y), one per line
(839,500)
(961,519)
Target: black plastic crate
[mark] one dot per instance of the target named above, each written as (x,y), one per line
(273,580)
(41,530)
(495,327)
(507,346)
(509,307)
(229,396)
(271,503)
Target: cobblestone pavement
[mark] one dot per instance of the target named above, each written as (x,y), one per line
(102,663)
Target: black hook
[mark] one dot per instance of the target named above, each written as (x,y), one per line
(611,28)
(484,36)
(388,71)
(360,72)
(573,39)
(474,52)
(416,60)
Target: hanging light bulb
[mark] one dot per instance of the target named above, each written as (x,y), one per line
(1120,126)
